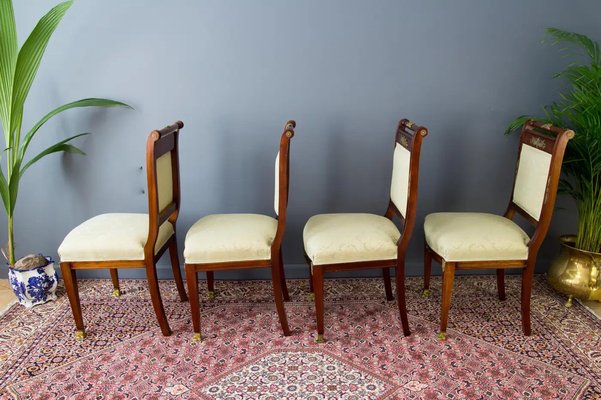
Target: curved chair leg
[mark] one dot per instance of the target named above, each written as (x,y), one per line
(278,296)
(527,274)
(155,296)
(400,293)
(427,269)
(70,279)
(283,277)
(387,285)
(311,295)
(177,273)
(310,273)
(211,284)
(319,300)
(192,281)
(501,283)
(115,279)
(447,289)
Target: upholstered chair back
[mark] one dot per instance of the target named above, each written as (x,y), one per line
(282,165)
(538,167)
(162,167)
(164,180)
(531,179)
(276,192)
(399,187)
(405,164)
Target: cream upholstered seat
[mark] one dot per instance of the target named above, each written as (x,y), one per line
(108,237)
(487,241)
(475,236)
(237,241)
(347,242)
(230,237)
(122,240)
(343,238)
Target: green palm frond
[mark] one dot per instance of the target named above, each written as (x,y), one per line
(8,63)
(30,56)
(581,42)
(18,68)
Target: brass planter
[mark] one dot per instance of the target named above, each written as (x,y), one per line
(576,273)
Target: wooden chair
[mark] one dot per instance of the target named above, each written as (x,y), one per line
(122,240)
(222,242)
(488,241)
(345,242)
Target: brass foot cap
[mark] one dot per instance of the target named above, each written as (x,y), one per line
(569,302)
(197,337)
(320,339)
(426,293)
(311,296)
(211,295)
(116,293)
(80,335)
(442,336)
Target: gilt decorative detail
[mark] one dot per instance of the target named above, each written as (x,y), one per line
(538,143)
(404,142)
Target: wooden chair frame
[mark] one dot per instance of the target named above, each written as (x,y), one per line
(551,140)
(410,136)
(159,143)
(280,290)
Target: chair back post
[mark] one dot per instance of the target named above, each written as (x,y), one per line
(552,140)
(283,182)
(410,136)
(159,143)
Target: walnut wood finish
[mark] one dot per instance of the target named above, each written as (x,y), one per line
(159,142)
(552,140)
(410,136)
(275,263)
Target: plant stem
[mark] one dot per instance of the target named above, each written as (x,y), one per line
(11,241)
(589,223)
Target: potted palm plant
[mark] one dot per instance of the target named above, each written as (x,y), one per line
(576,272)
(33,278)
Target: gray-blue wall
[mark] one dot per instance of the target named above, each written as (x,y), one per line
(235,71)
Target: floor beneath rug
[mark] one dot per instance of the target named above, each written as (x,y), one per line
(245,356)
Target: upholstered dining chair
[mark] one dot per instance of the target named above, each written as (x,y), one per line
(345,242)
(122,240)
(471,241)
(222,242)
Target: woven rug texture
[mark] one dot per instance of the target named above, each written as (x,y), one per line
(245,356)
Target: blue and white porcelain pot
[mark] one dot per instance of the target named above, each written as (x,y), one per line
(36,285)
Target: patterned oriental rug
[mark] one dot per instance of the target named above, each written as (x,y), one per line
(245,356)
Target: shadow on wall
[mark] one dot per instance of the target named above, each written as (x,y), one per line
(243,172)
(336,155)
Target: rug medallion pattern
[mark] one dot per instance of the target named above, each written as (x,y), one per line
(310,373)
(245,356)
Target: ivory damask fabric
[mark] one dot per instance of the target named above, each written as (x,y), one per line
(230,237)
(475,237)
(399,188)
(531,180)
(116,236)
(340,238)
(164,180)
(276,190)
